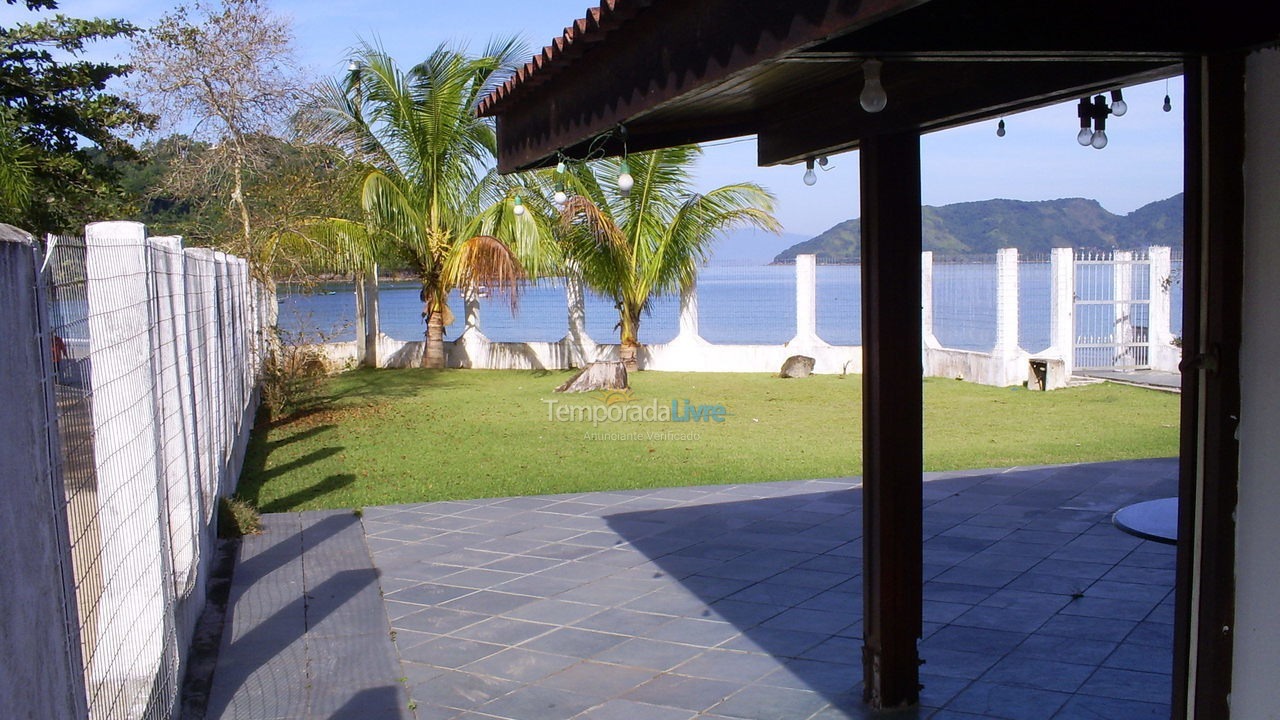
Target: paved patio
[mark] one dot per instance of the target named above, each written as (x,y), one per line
(713,602)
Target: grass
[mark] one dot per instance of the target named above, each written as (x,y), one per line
(384,437)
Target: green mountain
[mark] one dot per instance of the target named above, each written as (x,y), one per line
(1034,228)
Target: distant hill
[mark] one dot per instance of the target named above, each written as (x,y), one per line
(749,246)
(1034,228)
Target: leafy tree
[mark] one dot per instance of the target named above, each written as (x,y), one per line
(635,246)
(50,103)
(428,190)
(224,75)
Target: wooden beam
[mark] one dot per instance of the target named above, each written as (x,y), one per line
(892,420)
(659,56)
(1204,604)
(925,97)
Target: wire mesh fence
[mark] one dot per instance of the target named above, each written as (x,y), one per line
(155,354)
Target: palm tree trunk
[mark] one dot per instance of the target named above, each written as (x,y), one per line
(629,346)
(433,351)
(433,354)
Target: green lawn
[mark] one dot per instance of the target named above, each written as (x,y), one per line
(383,437)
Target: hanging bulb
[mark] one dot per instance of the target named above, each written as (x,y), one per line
(625,181)
(873,98)
(1083,111)
(1168,105)
(1000,128)
(810,177)
(560,197)
(1099,139)
(1118,105)
(560,168)
(519,209)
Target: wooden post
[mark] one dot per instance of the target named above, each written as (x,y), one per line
(1204,595)
(892,439)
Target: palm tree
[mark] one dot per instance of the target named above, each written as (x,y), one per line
(429,192)
(649,242)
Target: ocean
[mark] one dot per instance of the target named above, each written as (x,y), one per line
(736,305)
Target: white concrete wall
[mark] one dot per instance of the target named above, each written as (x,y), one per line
(1255,692)
(1005,365)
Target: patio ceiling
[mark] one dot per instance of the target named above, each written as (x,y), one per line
(677,72)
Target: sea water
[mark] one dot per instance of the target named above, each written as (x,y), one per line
(736,306)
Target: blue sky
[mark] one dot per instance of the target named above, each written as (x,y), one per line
(1038,159)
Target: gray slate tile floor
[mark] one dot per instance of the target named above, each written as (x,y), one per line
(712,602)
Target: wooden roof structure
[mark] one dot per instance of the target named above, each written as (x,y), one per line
(683,71)
(674,71)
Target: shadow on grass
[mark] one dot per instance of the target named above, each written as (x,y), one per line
(300,497)
(255,475)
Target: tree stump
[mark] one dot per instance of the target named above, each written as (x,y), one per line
(600,375)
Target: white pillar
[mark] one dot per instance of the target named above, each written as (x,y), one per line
(806,301)
(470,308)
(1256,648)
(1062,306)
(179,470)
(1006,303)
(689,311)
(1161,354)
(131,623)
(929,340)
(1122,306)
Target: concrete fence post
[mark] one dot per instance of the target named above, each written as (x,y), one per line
(1062,300)
(1006,303)
(1161,353)
(806,300)
(926,300)
(130,643)
(689,311)
(38,625)
(1122,307)
(180,472)
(471,308)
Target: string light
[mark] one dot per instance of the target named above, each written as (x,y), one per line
(1085,113)
(873,98)
(625,181)
(810,177)
(519,209)
(1167,104)
(1118,106)
(1000,128)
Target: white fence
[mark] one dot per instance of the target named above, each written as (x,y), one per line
(149,358)
(953,303)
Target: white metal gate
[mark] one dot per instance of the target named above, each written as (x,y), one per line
(1112,311)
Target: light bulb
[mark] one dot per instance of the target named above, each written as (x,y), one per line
(625,181)
(560,168)
(810,177)
(873,98)
(560,197)
(1000,128)
(1085,136)
(1118,105)
(1167,104)
(1099,139)
(519,210)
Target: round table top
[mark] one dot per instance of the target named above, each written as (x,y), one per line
(1152,520)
